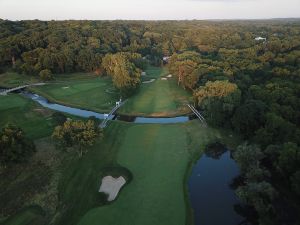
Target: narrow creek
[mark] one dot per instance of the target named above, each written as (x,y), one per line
(86,113)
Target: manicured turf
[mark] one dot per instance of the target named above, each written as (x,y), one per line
(82,91)
(33,119)
(78,188)
(11,79)
(156,155)
(155,72)
(159,98)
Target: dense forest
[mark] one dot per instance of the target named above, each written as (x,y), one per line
(244,76)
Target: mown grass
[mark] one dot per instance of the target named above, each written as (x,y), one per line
(32,118)
(159,98)
(78,189)
(82,91)
(12,79)
(156,155)
(156,72)
(159,158)
(85,90)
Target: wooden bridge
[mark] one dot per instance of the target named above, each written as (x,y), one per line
(5,92)
(198,114)
(106,119)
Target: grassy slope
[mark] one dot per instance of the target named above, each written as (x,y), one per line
(33,119)
(11,79)
(84,91)
(159,98)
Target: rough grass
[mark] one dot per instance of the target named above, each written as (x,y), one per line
(159,98)
(34,182)
(32,215)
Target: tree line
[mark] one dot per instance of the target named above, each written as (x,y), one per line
(237,82)
(253,88)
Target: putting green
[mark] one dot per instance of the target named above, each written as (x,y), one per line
(161,98)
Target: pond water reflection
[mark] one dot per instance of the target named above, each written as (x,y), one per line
(211,196)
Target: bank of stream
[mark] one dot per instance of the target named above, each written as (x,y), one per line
(86,113)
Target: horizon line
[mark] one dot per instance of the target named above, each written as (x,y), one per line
(212,19)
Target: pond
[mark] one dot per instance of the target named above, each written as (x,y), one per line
(86,113)
(211,196)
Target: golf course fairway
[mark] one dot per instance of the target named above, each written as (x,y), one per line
(158,157)
(160,98)
(155,159)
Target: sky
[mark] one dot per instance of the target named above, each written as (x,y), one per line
(148,9)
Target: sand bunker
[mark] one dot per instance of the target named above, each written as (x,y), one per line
(66,87)
(164,78)
(111,186)
(148,81)
(169,76)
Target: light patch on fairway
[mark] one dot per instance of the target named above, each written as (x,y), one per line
(163,78)
(66,87)
(110,91)
(111,186)
(148,81)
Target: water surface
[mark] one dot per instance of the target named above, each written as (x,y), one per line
(211,197)
(86,113)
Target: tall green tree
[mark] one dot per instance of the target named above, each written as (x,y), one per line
(125,75)
(14,145)
(77,135)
